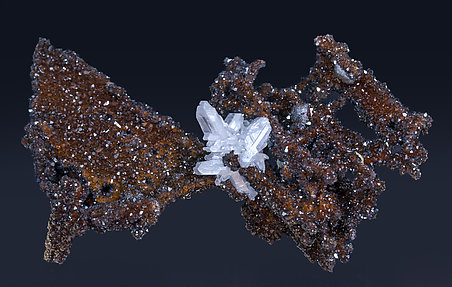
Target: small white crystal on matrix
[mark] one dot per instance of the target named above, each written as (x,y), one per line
(245,139)
(342,75)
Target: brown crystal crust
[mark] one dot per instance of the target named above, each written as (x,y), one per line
(109,163)
(105,161)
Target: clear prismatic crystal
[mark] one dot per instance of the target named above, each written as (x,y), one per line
(234,134)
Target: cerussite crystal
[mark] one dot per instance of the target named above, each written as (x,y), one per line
(244,139)
(109,163)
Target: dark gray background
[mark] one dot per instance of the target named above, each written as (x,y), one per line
(168,57)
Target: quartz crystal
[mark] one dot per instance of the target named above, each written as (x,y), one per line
(234,134)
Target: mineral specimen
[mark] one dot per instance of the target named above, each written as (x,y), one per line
(108,163)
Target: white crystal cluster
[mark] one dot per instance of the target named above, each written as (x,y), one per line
(245,139)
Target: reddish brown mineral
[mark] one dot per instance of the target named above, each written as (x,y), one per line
(109,163)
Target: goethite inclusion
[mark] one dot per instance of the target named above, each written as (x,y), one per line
(244,139)
(109,163)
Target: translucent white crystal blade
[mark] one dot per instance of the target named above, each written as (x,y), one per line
(255,140)
(222,145)
(210,167)
(214,155)
(259,161)
(241,185)
(257,134)
(234,121)
(211,123)
(245,158)
(223,176)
